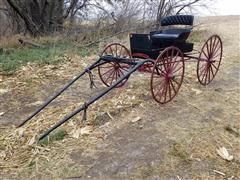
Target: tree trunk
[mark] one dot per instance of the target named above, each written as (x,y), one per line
(40,16)
(160,12)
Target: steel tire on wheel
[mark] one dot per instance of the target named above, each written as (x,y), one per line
(209,60)
(110,72)
(168,74)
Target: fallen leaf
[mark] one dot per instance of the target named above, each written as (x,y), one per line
(76,133)
(222,151)
(140,126)
(105,125)
(219,172)
(84,64)
(101,135)
(32,140)
(37,103)
(24,68)
(53,67)
(197,91)
(230,178)
(179,178)
(71,123)
(136,119)
(2,154)
(20,131)
(2,91)
(218,89)
(81,131)
(86,130)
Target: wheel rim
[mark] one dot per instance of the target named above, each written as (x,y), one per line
(167,77)
(110,72)
(209,60)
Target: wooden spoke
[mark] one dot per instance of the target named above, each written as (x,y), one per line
(212,71)
(214,49)
(205,54)
(175,91)
(112,69)
(176,70)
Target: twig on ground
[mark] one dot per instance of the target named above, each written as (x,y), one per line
(28,43)
(218,172)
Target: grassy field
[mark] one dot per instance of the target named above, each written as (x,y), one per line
(11,60)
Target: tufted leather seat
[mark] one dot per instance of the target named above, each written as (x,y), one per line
(177,20)
(174,34)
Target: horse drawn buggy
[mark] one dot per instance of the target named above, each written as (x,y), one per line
(162,53)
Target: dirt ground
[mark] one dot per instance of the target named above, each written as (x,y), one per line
(178,140)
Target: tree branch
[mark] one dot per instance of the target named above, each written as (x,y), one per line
(187,5)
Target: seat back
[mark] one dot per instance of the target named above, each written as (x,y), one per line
(183,33)
(177,20)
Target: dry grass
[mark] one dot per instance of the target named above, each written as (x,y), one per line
(18,152)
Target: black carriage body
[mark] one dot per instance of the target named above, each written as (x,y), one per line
(151,44)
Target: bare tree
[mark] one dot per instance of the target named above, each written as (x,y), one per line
(120,13)
(39,16)
(44,16)
(73,8)
(161,8)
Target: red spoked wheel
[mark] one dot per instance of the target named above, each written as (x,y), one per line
(147,67)
(167,76)
(110,72)
(209,60)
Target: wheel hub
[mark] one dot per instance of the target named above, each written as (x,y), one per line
(210,59)
(116,66)
(169,75)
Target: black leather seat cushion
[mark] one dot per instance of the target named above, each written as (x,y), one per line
(171,35)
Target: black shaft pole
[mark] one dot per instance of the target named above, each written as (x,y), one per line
(59,93)
(91,100)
